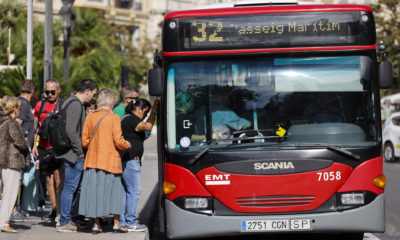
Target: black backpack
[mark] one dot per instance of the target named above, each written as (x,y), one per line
(44,127)
(58,137)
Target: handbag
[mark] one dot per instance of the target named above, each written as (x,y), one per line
(30,194)
(28,174)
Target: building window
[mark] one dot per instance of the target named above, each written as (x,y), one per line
(137,5)
(126,4)
(135,33)
(128,34)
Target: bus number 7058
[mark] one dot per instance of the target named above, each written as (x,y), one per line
(329,176)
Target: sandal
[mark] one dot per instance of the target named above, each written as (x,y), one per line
(8,229)
(120,229)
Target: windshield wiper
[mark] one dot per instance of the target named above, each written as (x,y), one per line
(330,147)
(254,131)
(215,141)
(202,152)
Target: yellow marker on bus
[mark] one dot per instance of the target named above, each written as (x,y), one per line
(281,131)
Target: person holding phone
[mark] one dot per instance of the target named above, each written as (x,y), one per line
(133,130)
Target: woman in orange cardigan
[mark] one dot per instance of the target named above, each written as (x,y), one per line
(101,192)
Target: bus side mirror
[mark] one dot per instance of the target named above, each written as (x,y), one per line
(385,74)
(155,78)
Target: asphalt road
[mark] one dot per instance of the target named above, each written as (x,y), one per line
(392,194)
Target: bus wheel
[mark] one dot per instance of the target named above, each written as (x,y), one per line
(352,236)
(388,152)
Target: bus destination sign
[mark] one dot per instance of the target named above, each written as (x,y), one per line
(275,30)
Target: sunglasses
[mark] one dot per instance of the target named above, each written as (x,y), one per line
(132,98)
(52,92)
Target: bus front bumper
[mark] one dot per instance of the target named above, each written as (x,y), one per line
(186,224)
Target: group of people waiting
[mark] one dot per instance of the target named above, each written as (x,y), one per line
(99,174)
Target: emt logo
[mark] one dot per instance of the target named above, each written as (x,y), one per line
(220,179)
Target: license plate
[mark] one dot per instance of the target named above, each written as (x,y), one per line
(300,224)
(276,225)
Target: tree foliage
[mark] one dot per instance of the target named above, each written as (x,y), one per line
(387,20)
(92,54)
(98,50)
(12,16)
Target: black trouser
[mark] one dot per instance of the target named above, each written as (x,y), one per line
(43,170)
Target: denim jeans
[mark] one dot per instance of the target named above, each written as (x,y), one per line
(73,173)
(131,190)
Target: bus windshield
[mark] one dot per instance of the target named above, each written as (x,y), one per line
(276,102)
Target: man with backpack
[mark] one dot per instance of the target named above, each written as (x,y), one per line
(73,115)
(48,165)
(26,118)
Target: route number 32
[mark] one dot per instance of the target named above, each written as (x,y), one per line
(329,176)
(204,27)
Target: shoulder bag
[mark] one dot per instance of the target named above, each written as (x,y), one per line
(97,125)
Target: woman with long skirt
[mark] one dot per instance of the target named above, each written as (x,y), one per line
(101,193)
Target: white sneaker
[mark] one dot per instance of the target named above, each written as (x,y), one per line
(69,227)
(57,220)
(137,228)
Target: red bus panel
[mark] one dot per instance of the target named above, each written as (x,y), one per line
(362,176)
(274,193)
(268,9)
(186,182)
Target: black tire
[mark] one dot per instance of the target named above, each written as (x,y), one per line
(388,152)
(352,236)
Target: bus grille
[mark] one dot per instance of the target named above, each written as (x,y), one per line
(274,201)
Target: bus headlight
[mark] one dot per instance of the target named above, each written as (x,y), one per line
(352,198)
(198,203)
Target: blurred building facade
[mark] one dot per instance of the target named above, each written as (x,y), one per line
(131,13)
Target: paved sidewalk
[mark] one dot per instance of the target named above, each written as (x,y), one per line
(36,229)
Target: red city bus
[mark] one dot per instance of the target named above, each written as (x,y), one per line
(270,121)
